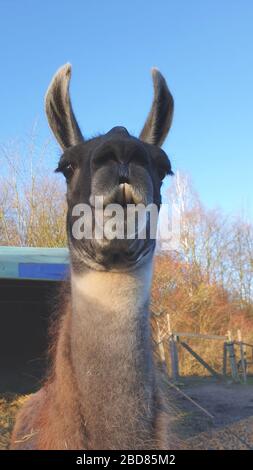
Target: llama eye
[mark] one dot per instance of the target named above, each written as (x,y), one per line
(164,170)
(161,172)
(68,171)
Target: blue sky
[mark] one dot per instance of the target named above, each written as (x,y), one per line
(203,48)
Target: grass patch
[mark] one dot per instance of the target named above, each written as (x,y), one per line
(9,405)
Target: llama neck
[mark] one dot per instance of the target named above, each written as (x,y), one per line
(111,356)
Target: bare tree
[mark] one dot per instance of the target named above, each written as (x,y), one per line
(32,207)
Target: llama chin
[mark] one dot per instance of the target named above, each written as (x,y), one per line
(102,391)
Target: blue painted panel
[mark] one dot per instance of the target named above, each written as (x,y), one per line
(11,257)
(48,271)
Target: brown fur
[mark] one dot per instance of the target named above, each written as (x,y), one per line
(113,406)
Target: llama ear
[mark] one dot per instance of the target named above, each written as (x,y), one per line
(59,110)
(160,116)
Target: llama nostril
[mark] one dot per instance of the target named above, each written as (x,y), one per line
(123,173)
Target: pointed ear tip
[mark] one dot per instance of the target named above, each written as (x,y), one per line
(157,76)
(155,71)
(61,75)
(64,70)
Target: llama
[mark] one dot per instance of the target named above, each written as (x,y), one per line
(102,391)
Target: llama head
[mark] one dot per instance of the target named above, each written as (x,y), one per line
(114,170)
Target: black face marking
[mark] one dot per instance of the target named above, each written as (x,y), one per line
(98,167)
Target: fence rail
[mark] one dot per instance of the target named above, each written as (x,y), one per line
(169,341)
(200,336)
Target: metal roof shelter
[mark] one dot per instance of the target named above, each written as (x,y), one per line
(30,279)
(33,263)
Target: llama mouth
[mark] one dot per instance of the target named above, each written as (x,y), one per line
(125,194)
(130,195)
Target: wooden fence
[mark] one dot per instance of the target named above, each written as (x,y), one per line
(168,342)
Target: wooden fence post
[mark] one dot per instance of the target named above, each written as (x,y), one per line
(242,355)
(232,358)
(225,353)
(160,344)
(174,358)
(169,325)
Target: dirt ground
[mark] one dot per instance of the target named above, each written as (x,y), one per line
(230,404)
(231,407)
(227,402)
